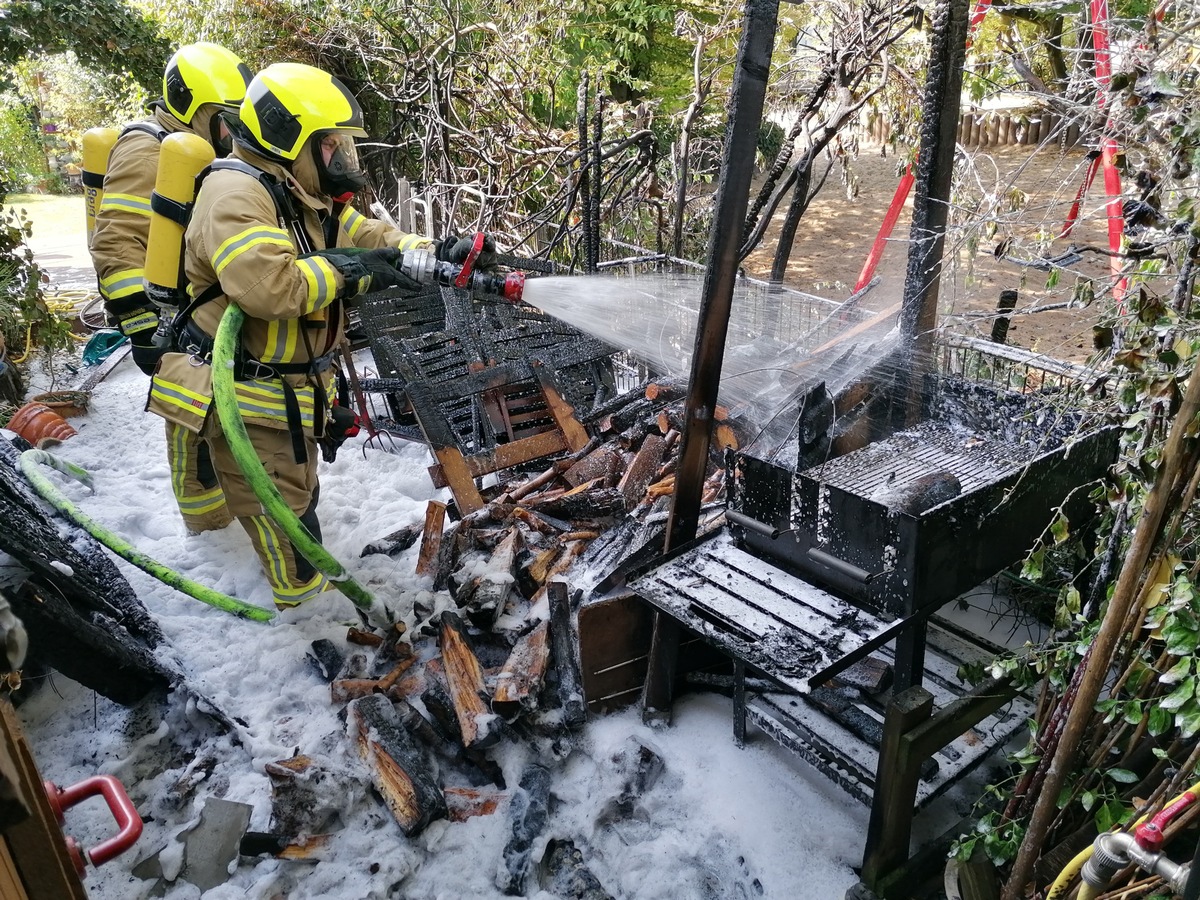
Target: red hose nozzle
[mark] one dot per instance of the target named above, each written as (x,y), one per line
(514,287)
(1149,835)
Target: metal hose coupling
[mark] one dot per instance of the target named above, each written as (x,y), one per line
(423,266)
(1113,851)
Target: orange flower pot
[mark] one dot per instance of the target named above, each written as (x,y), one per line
(40,425)
(65,403)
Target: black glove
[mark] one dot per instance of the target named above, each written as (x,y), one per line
(369,270)
(137,319)
(456,250)
(342,424)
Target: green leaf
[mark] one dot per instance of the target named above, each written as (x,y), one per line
(1180,640)
(1121,776)
(1188,720)
(1160,721)
(1032,569)
(1088,800)
(1177,672)
(1061,529)
(1110,814)
(1181,695)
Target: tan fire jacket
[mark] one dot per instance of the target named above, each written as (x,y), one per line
(294,312)
(123,221)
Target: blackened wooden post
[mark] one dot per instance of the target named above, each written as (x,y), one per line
(927,238)
(935,166)
(584,196)
(729,213)
(890,828)
(594,201)
(1008,302)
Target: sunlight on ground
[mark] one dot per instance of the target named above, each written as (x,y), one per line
(51,215)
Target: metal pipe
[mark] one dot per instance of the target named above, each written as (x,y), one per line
(750,524)
(1113,851)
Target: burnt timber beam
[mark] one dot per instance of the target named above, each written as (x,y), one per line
(927,241)
(935,166)
(732,200)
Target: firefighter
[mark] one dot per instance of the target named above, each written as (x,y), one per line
(269,231)
(203,84)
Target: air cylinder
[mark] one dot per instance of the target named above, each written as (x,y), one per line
(97,144)
(182,158)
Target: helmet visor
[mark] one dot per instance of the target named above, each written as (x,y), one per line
(222,134)
(337,163)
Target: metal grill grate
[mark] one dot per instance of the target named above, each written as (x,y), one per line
(894,464)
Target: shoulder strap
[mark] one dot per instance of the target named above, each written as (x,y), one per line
(279,196)
(153,129)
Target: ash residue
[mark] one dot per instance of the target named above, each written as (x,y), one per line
(1029,419)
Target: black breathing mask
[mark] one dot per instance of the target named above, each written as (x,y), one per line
(337,165)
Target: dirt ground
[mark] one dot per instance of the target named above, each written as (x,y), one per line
(1010,194)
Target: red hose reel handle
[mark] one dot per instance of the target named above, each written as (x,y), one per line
(129,823)
(468,266)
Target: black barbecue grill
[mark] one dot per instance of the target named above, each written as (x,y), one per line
(820,567)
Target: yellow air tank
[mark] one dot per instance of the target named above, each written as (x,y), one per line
(97,144)
(182,158)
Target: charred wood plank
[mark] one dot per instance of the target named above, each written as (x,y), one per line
(325,658)
(495,586)
(436,699)
(666,390)
(603,462)
(464,679)
(63,558)
(596,503)
(305,796)
(520,680)
(527,813)
(87,646)
(431,538)
(640,473)
(625,417)
(563,643)
(284,846)
(399,768)
(395,543)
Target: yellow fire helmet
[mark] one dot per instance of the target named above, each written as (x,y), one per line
(203,73)
(287,102)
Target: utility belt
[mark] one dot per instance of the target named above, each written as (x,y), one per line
(196,343)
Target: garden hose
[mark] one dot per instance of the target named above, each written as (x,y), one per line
(225,346)
(31,459)
(1062,884)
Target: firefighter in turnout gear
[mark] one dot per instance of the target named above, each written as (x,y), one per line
(203,84)
(273,231)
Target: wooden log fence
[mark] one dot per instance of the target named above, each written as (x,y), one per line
(997,129)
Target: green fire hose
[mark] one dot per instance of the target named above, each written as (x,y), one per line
(225,346)
(31,459)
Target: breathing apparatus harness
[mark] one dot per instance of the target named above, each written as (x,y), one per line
(187,337)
